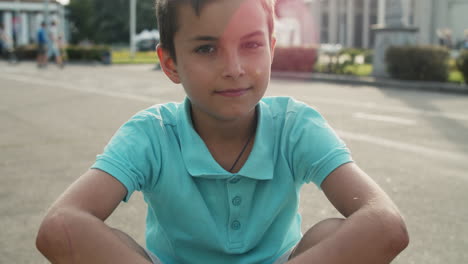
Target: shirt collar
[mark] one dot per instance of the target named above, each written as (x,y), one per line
(199,161)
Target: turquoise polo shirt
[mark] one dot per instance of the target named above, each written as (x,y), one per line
(200,213)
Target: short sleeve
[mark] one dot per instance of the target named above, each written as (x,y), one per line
(132,156)
(315,150)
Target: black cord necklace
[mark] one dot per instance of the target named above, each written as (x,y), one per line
(242,152)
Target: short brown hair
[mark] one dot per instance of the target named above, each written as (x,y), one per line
(166,14)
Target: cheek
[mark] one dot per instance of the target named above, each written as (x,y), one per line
(258,73)
(195,72)
(261,72)
(261,77)
(262,64)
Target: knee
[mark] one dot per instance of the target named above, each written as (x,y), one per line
(122,236)
(131,243)
(317,233)
(322,230)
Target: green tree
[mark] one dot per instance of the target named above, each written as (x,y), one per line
(146,15)
(107,21)
(80,14)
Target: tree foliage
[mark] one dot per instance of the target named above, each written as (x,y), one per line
(107,21)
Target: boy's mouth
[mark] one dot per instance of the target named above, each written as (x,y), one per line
(233,92)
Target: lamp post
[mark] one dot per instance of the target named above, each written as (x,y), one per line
(132,27)
(16,23)
(46,15)
(46,12)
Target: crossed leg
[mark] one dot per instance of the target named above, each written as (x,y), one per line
(315,234)
(131,243)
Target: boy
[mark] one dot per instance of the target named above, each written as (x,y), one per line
(221,172)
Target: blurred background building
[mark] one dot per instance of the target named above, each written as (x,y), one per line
(22,18)
(349,22)
(300,22)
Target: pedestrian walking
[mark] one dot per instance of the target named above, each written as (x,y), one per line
(6,46)
(63,49)
(2,39)
(465,40)
(42,43)
(54,45)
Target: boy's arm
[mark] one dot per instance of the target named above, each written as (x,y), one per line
(74,231)
(373,232)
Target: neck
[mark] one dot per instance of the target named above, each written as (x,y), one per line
(215,130)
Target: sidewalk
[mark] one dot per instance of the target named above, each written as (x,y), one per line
(56,122)
(373,81)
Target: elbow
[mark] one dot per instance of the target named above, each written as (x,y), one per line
(398,234)
(403,239)
(51,239)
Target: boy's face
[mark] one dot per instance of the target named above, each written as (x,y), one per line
(223,57)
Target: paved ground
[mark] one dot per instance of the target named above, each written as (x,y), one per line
(54,122)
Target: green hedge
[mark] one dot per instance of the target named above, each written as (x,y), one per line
(344,62)
(296,59)
(462,64)
(368,56)
(73,53)
(352,53)
(28,52)
(421,63)
(91,53)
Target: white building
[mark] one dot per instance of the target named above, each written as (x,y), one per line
(349,22)
(22,18)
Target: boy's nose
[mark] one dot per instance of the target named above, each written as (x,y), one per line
(233,67)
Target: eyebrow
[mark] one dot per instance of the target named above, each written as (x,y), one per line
(204,38)
(211,38)
(253,34)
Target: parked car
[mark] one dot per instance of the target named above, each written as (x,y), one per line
(147,44)
(147,40)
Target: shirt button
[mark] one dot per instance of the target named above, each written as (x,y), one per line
(236,201)
(235,225)
(234,180)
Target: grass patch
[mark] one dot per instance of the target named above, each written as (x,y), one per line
(455,77)
(359,69)
(353,69)
(141,57)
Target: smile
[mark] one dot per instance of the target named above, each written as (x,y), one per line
(233,92)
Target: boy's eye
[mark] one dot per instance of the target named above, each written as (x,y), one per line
(251,45)
(205,49)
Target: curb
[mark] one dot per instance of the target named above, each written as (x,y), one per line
(373,81)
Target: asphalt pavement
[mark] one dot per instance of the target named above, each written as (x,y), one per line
(54,123)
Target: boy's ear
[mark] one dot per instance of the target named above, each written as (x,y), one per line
(272,47)
(167,64)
